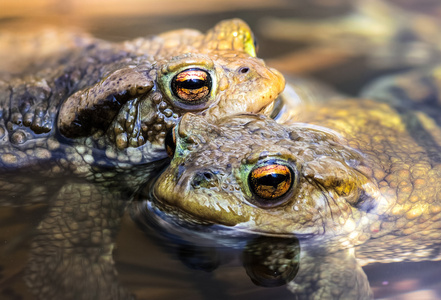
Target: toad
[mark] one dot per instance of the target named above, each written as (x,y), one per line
(82,123)
(357,180)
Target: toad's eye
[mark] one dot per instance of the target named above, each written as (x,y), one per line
(270,182)
(192,86)
(170,142)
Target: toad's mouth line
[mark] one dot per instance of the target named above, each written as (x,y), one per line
(173,225)
(158,213)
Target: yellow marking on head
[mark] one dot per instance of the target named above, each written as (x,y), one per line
(249,44)
(232,34)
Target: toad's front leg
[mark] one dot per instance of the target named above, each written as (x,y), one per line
(71,255)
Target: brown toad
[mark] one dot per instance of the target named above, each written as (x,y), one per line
(82,123)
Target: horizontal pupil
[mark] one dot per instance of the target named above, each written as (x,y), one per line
(191,84)
(272,179)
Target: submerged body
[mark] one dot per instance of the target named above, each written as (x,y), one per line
(82,124)
(358,180)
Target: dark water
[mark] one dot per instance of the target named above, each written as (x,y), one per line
(160,269)
(154,267)
(226,265)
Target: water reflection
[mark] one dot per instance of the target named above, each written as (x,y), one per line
(305,266)
(271,261)
(268,261)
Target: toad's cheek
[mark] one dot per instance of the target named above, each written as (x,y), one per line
(200,204)
(265,90)
(272,86)
(253,92)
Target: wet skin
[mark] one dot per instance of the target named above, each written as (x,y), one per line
(358,178)
(82,126)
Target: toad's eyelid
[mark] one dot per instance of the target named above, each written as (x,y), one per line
(191,74)
(176,66)
(262,157)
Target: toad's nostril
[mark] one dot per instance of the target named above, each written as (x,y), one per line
(244,70)
(200,178)
(208,175)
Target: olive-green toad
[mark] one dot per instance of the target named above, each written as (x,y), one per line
(357,179)
(82,124)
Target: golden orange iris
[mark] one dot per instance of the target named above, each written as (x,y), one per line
(270,181)
(192,85)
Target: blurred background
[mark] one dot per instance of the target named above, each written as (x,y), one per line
(344,43)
